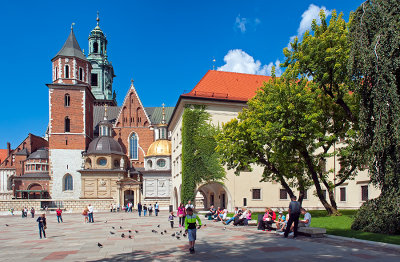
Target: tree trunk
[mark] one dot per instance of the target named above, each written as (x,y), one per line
(310,165)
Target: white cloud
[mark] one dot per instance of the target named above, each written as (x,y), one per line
(238,61)
(241,23)
(306,20)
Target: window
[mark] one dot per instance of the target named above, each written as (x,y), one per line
(94,79)
(305,195)
(81,74)
(116,163)
(324,193)
(342,194)
(149,164)
(283,194)
(133,147)
(161,163)
(364,193)
(67,127)
(95,47)
(256,194)
(66,71)
(102,161)
(67,100)
(68,182)
(56,73)
(244,202)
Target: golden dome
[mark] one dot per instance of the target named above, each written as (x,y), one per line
(160,148)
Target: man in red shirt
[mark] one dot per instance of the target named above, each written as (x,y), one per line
(59,217)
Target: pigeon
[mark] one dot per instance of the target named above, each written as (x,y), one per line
(6,225)
(162,233)
(173,235)
(204,225)
(184,235)
(120,227)
(113,227)
(165,231)
(112,233)
(105,221)
(178,238)
(153,231)
(136,231)
(158,225)
(129,231)
(180,231)
(130,237)
(224,228)
(99,245)
(122,235)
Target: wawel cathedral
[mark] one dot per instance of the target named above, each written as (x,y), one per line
(93,149)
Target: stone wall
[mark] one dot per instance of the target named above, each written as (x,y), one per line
(74,206)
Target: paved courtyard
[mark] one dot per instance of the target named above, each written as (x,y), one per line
(75,241)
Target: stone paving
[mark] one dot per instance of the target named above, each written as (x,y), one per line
(74,240)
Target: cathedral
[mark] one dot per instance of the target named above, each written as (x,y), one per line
(93,149)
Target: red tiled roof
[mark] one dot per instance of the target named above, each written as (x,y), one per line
(228,86)
(3,155)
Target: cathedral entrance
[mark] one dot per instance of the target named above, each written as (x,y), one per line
(129,196)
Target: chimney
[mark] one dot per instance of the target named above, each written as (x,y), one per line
(8,149)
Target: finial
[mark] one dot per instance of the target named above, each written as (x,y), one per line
(105,111)
(83,51)
(132,81)
(213,63)
(163,113)
(72,26)
(98,19)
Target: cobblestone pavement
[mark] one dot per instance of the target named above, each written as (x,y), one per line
(74,240)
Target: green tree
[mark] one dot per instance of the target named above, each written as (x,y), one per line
(200,161)
(375,68)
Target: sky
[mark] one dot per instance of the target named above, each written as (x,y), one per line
(166,47)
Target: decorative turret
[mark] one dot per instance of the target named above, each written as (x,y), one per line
(103,71)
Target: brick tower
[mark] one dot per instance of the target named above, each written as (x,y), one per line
(70,118)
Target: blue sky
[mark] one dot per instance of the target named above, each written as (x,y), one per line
(165,46)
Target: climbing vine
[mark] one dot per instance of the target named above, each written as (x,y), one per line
(200,161)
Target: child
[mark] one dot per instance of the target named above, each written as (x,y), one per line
(171,219)
(190,227)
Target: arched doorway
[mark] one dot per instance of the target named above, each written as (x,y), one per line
(129,196)
(34,191)
(214,193)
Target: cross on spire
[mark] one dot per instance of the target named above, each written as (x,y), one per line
(98,18)
(72,26)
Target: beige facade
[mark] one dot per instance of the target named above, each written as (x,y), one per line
(246,189)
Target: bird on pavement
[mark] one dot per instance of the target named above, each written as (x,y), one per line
(165,231)
(184,235)
(120,227)
(158,225)
(105,221)
(136,231)
(122,235)
(162,233)
(173,235)
(130,237)
(6,225)
(99,245)
(179,238)
(224,228)
(129,231)
(112,233)
(113,227)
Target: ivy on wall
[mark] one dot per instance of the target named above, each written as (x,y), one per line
(200,161)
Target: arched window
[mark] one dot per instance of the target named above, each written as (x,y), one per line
(67,125)
(81,74)
(133,146)
(68,182)
(66,100)
(95,47)
(66,71)
(149,163)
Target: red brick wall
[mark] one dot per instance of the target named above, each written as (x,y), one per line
(79,64)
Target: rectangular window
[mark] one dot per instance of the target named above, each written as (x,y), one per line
(244,202)
(342,194)
(283,194)
(324,193)
(305,195)
(256,194)
(81,74)
(94,80)
(66,71)
(364,193)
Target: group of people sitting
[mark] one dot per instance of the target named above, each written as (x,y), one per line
(240,216)
(281,221)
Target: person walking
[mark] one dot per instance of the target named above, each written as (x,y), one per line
(23,212)
(294,214)
(42,225)
(171,219)
(59,217)
(139,209)
(33,212)
(144,210)
(85,215)
(190,227)
(181,214)
(150,210)
(90,212)
(156,208)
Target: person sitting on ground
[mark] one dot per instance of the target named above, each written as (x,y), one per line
(280,222)
(225,214)
(233,217)
(211,211)
(306,222)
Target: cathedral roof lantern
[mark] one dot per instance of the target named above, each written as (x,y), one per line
(105,125)
(71,47)
(96,32)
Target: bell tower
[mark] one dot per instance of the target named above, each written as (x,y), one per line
(102,70)
(70,118)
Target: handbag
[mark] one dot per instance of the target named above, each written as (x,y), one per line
(45,227)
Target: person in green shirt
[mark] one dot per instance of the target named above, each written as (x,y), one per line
(190,227)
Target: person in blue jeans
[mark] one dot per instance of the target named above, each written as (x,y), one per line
(139,209)
(236,212)
(144,210)
(42,225)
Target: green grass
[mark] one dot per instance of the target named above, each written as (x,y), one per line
(341,226)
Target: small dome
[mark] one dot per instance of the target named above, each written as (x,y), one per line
(41,153)
(104,145)
(160,148)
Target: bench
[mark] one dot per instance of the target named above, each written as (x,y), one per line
(312,231)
